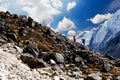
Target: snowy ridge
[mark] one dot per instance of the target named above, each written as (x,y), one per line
(99,37)
(106,32)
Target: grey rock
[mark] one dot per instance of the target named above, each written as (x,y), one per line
(106,67)
(44,55)
(62,67)
(1,29)
(3,15)
(11,36)
(94,76)
(117,78)
(33,23)
(76,69)
(14,16)
(32,49)
(52,62)
(59,58)
(24,18)
(78,59)
(7,14)
(22,31)
(58,69)
(32,62)
(117,63)
(48,31)
(2,41)
(20,50)
(109,77)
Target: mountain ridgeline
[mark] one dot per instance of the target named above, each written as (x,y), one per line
(40,47)
(104,38)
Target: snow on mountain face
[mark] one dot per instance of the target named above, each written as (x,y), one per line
(99,37)
(105,32)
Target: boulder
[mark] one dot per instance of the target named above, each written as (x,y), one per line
(94,76)
(14,16)
(52,62)
(31,51)
(59,58)
(18,49)
(7,14)
(84,54)
(33,23)
(31,48)
(76,69)
(48,31)
(21,31)
(24,18)
(30,22)
(11,36)
(3,15)
(106,67)
(44,55)
(117,63)
(1,29)
(79,60)
(2,41)
(32,62)
(109,57)
(62,67)
(110,77)
(117,78)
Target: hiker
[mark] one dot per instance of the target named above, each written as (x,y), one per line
(83,41)
(74,38)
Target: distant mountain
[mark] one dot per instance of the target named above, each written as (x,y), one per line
(104,34)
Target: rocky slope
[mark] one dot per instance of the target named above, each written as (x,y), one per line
(30,51)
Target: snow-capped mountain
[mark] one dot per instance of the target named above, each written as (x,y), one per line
(100,37)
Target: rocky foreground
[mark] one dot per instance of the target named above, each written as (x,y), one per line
(30,51)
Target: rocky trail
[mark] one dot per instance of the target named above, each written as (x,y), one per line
(30,51)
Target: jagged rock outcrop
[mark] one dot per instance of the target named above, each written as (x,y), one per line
(38,47)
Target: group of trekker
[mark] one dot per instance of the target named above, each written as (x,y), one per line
(83,40)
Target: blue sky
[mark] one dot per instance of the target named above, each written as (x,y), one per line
(66,16)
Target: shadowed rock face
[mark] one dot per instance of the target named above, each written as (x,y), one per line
(42,47)
(113,47)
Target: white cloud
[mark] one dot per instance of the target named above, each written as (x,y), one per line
(41,11)
(4,7)
(65,25)
(115,4)
(71,5)
(0,1)
(57,4)
(100,18)
(71,33)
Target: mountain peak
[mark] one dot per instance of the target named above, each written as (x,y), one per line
(104,33)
